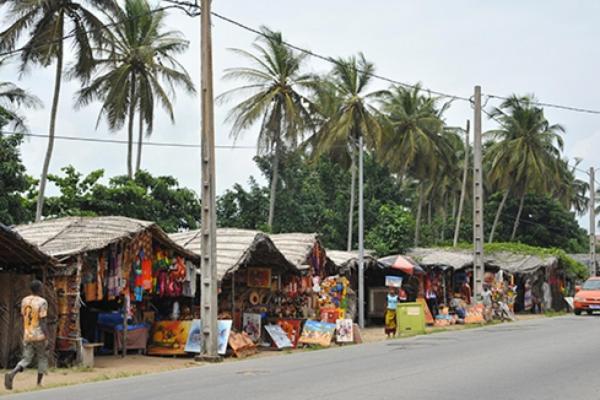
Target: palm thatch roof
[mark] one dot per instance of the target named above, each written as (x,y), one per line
(296,247)
(349,259)
(69,236)
(459,259)
(236,248)
(17,252)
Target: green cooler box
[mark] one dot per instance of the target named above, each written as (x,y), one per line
(410,318)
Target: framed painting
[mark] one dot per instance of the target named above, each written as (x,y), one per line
(252,325)
(279,337)
(292,329)
(319,333)
(194,341)
(344,331)
(259,277)
(224,328)
(169,337)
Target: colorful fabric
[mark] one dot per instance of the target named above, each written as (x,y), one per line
(147,274)
(390,322)
(33,309)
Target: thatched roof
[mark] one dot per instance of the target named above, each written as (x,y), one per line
(16,251)
(235,248)
(459,259)
(69,236)
(343,258)
(296,247)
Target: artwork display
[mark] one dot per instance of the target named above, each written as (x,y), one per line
(224,328)
(259,277)
(393,281)
(344,331)
(241,344)
(194,341)
(252,326)
(169,337)
(292,329)
(428,316)
(319,333)
(279,337)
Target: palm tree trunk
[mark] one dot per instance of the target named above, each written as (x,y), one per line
(419,211)
(274,180)
(497,218)
(138,163)
(518,219)
(352,194)
(51,131)
(130,129)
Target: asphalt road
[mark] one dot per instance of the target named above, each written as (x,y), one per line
(557,358)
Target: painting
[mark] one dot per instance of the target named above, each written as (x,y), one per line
(292,329)
(344,331)
(169,337)
(241,344)
(279,337)
(194,341)
(319,333)
(252,326)
(393,281)
(224,328)
(259,277)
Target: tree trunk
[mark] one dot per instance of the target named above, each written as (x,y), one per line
(57,81)
(463,189)
(518,219)
(419,211)
(497,218)
(352,194)
(274,180)
(138,163)
(130,129)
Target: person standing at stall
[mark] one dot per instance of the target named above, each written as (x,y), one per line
(390,313)
(34,310)
(431,298)
(465,292)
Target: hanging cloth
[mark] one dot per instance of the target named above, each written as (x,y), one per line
(147,275)
(100,277)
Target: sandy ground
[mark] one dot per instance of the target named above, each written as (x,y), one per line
(111,367)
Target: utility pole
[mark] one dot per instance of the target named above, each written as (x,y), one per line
(361,242)
(208,268)
(593,269)
(463,189)
(478,260)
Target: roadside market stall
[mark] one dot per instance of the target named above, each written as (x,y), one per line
(123,279)
(20,263)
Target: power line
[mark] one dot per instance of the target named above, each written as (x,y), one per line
(390,80)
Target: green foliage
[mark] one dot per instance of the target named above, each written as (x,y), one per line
(544,222)
(393,232)
(158,199)
(13,182)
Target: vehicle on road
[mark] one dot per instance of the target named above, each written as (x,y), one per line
(587,297)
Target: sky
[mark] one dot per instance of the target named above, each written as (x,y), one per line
(546,48)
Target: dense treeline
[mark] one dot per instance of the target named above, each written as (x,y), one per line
(417,168)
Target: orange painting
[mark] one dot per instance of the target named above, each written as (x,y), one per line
(169,337)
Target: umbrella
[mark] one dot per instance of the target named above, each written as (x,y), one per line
(401,263)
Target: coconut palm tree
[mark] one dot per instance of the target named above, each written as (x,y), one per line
(525,154)
(13,97)
(134,70)
(351,115)
(413,142)
(46,23)
(274,95)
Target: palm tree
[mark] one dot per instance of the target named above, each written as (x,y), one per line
(133,69)
(351,115)
(46,23)
(414,143)
(274,96)
(525,154)
(11,98)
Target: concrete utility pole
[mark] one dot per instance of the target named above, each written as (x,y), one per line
(208,268)
(463,189)
(478,260)
(361,242)
(593,269)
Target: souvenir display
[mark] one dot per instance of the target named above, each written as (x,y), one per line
(319,333)
(278,336)
(344,331)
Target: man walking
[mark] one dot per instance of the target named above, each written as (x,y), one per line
(34,309)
